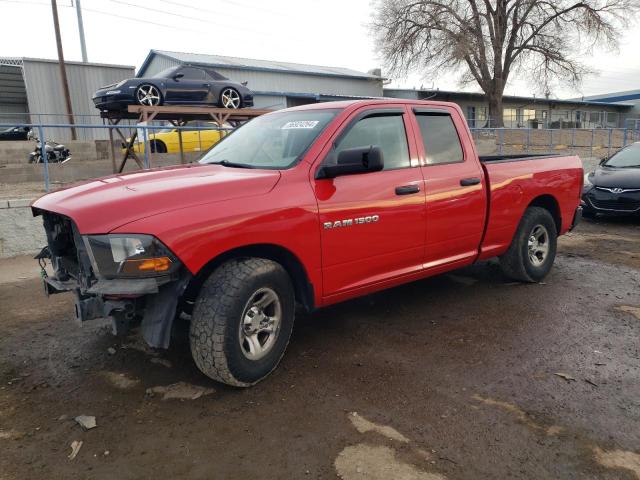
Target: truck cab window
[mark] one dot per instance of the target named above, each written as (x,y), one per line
(386,132)
(440,138)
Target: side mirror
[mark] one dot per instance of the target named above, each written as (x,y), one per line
(178,76)
(355,160)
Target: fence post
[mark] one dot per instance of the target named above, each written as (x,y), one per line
(145,135)
(609,146)
(528,138)
(573,141)
(593,132)
(624,138)
(44,156)
(550,139)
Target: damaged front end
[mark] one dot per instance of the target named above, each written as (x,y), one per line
(126,277)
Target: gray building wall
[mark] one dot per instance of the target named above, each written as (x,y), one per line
(269,85)
(45,94)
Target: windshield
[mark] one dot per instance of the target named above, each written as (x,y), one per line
(273,141)
(627,157)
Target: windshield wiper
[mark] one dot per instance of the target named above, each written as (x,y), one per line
(228,163)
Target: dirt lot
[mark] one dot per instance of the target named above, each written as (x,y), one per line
(455,377)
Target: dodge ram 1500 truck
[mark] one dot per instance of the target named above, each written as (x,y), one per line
(311,206)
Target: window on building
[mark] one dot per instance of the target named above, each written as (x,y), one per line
(510,117)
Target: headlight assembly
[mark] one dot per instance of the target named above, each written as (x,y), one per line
(587,184)
(129,256)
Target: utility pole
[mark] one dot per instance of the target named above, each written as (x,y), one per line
(63,70)
(83,45)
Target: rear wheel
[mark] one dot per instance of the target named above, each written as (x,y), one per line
(242,321)
(230,98)
(533,248)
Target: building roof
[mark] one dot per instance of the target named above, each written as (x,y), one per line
(239,63)
(628,97)
(19,62)
(444,94)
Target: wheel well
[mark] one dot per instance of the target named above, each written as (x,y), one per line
(155,143)
(548,202)
(303,288)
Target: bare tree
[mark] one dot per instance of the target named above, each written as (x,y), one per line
(485,41)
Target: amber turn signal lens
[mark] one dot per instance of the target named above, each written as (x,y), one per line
(146,265)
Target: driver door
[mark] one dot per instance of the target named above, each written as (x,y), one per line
(372,224)
(192,87)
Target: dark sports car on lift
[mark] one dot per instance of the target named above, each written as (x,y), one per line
(15,133)
(614,187)
(181,85)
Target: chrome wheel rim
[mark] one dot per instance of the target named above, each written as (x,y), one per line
(538,245)
(260,324)
(230,98)
(148,95)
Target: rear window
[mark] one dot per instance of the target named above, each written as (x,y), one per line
(440,138)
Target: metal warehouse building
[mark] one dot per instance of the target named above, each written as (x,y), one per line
(276,84)
(31,91)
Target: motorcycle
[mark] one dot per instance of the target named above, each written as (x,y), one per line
(56,152)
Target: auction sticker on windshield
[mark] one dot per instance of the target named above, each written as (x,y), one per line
(300,124)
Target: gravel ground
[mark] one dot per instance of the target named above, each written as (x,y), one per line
(462,376)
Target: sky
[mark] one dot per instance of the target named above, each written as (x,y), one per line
(321,32)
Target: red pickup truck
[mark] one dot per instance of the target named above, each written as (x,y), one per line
(311,206)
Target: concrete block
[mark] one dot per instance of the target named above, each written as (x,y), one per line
(20,203)
(4,203)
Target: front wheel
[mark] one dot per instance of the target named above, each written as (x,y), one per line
(533,248)
(242,321)
(148,95)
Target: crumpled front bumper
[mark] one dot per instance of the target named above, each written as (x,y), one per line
(154,300)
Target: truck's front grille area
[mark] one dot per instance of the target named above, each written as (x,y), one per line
(61,240)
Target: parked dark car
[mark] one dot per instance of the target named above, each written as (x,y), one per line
(15,133)
(181,85)
(614,187)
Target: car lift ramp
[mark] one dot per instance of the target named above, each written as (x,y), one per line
(177,115)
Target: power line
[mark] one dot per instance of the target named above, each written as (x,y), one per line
(196,19)
(231,2)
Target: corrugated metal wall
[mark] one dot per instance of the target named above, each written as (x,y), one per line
(45,94)
(13,97)
(278,82)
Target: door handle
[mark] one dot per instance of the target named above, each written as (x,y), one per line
(407,189)
(467,182)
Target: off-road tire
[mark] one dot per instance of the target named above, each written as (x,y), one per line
(516,263)
(217,314)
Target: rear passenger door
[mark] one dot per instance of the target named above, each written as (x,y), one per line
(372,224)
(454,184)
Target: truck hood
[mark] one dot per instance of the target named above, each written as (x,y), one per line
(100,206)
(616,177)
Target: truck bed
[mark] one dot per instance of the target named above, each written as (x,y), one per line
(513,181)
